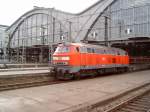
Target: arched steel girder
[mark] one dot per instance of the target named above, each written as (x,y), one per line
(24,18)
(94,22)
(78,36)
(90,28)
(96,11)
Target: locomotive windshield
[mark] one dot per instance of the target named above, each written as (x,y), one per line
(63,49)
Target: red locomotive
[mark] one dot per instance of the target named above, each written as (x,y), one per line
(70,60)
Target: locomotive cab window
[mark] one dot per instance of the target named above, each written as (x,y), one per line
(115,52)
(122,52)
(63,49)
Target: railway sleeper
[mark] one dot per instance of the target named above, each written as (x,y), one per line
(137,108)
(142,100)
(140,105)
(127,110)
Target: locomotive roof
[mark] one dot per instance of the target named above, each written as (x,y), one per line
(93,46)
(96,46)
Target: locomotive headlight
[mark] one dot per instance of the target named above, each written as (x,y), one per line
(55,58)
(65,58)
(62,58)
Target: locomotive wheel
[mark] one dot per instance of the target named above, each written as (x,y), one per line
(68,76)
(77,76)
(127,69)
(56,75)
(101,72)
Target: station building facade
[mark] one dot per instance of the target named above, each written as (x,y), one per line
(3,40)
(119,23)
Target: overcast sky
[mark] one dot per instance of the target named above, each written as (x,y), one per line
(10,10)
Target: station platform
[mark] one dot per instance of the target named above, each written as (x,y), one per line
(19,65)
(14,78)
(24,69)
(25,77)
(70,95)
(19,73)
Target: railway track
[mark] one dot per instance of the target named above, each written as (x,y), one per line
(22,81)
(139,104)
(134,100)
(30,84)
(30,80)
(123,102)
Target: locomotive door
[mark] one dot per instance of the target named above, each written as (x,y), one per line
(83,56)
(78,61)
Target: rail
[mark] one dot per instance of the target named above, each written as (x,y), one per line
(140,60)
(22,81)
(37,79)
(110,104)
(139,104)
